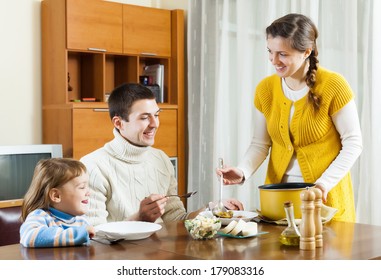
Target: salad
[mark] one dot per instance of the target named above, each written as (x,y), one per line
(203,227)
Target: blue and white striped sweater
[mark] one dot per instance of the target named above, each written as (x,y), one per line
(53,228)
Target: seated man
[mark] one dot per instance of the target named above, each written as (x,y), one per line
(129,179)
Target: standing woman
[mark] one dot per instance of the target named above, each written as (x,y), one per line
(307,116)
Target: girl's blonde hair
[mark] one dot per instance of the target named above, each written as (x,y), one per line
(49,174)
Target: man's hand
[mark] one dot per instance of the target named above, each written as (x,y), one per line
(152,207)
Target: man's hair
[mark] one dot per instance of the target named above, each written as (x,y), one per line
(123,97)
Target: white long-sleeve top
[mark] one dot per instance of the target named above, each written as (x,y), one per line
(347,124)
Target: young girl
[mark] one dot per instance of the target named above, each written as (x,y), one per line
(54,205)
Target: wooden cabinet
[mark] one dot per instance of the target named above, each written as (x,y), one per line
(92,128)
(166,136)
(146,31)
(96,25)
(91,46)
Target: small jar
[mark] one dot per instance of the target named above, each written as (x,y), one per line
(290,236)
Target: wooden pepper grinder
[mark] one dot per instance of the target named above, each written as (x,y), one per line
(307,225)
(317,218)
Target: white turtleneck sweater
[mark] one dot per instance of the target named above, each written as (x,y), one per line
(122,175)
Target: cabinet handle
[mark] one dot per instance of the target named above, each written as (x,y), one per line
(100,110)
(147,53)
(97,50)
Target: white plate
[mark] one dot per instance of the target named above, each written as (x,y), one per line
(132,230)
(237,215)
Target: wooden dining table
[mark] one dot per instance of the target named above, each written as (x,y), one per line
(342,241)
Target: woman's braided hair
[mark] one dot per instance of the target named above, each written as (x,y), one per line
(301,33)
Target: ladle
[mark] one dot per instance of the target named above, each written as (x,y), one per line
(220,206)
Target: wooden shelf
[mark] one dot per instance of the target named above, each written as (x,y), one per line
(11,203)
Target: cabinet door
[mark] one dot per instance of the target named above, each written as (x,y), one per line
(146,31)
(94,25)
(166,136)
(92,128)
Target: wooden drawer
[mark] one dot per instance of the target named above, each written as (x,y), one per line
(92,128)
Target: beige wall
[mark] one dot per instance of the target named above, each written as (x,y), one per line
(20,67)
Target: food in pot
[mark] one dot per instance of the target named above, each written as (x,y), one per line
(222,214)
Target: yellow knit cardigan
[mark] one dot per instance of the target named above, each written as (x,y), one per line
(311,135)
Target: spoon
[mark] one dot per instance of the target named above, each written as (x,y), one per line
(187,195)
(220,206)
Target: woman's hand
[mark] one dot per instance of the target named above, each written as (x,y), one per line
(233,204)
(232,175)
(323,191)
